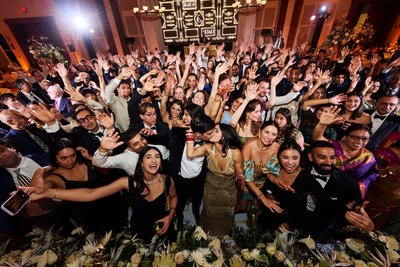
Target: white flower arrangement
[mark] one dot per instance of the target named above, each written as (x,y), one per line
(195,248)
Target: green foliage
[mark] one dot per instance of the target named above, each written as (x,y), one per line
(41,49)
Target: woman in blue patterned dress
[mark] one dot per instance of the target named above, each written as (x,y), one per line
(260,161)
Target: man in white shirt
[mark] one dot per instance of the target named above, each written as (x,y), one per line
(128,159)
(19,171)
(119,104)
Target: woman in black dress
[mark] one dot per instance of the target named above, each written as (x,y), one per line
(152,195)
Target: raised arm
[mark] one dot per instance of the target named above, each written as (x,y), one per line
(78,195)
(274,82)
(322,78)
(63,72)
(167,92)
(250,93)
(188,63)
(335,100)
(98,68)
(191,151)
(327,118)
(221,68)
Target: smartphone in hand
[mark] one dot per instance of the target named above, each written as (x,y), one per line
(15,203)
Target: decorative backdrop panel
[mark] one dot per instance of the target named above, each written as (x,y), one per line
(198,20)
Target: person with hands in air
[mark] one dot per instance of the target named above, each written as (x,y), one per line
(152,196)
(119,103)
(352,156)
(127,160)
(246,119)
(220,81)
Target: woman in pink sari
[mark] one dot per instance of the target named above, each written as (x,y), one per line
(352,156)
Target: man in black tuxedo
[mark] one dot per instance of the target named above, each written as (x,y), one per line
(339,193)
(135,101)
(390,80)
(157,132)
(384,121)
(28,94)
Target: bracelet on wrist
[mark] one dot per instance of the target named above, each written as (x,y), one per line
(56,193)
(102,153)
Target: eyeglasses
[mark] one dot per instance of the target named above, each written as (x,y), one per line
(358,138)
(87,118)
(150,114)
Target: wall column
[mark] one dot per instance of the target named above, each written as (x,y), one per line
(246,27)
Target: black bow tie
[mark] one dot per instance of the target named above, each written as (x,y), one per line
(322,178)
(377,116)
(154,128)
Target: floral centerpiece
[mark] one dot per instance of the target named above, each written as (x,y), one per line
(196,248)
(360,36)
(41,49)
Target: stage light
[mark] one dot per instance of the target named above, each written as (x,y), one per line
(91,30)
(81,23)
(324,8)
(312,17)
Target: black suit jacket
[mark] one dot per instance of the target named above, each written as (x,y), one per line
(25,101)
(176,144)
(85,139)
(133,108)
(7,185)
(391,124)
(163,133)
(25,145)
(339,191)
(39,91)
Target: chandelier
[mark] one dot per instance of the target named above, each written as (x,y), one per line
(249,4)
(145,10)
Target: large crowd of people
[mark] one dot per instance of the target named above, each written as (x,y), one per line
(292,136)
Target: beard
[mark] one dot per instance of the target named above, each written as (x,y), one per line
(319,169)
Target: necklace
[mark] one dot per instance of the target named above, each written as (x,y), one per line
(151,181)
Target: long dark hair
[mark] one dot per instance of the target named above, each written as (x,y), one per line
(59,145)
(194,110)
(360,110)
(251,106)
(230,138)
(177,102)
(288,145)
(286,131)
(312,121)
(138,177)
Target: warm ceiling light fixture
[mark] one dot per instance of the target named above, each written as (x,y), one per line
(249,4)
(145,10)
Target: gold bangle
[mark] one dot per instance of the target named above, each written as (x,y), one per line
(56,193)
